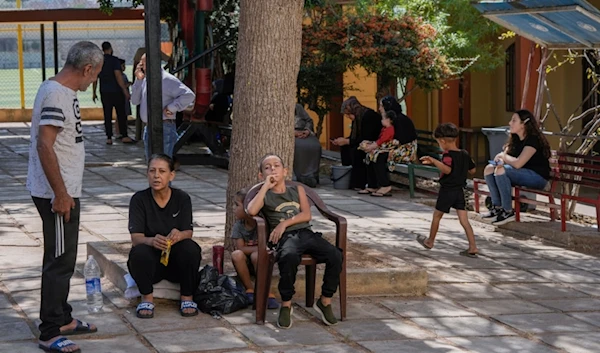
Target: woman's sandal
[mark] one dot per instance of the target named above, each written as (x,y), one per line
(188,304)
(109,141)
(272,302)
(81,329)
(145,306)
(59,345)
(366,191)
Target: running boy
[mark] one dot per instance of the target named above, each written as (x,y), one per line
(287,211)
(245,257)
(454,166)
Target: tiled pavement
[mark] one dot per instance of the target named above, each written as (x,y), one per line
(522,296)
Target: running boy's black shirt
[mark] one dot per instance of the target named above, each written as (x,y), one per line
(461,163)
(145,216)
(538,162)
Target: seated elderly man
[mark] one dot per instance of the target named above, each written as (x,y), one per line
(160,223)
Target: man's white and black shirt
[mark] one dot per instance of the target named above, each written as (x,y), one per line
(57,105)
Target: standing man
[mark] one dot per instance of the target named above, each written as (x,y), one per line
(54,178)
(113,94)
(176,96)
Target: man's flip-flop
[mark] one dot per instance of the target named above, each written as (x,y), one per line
(59,345)
(81,329)
(466,253)
(421,239)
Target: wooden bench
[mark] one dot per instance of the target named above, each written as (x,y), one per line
(570,168)
(266,257)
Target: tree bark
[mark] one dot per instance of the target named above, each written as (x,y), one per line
(267,64)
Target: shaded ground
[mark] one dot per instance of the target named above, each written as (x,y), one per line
(522,296)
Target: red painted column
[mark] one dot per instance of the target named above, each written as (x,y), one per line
(449,103)
(522,49)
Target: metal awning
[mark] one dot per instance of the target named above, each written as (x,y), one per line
(555,24)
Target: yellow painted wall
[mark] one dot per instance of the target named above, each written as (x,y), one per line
(24,115)
(364,87)
(420,109)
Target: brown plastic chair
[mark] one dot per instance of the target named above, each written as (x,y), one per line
(266,257)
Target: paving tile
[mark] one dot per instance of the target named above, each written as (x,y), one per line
(587,288)
(533,291)
(506,275)
(7,315)
(452,276)
(584,264)
(168,318)
(505,306)
(19,346)
(544,323)
(591,318)
(581,304)
(574,276)
(528,264)
(368,330)
(17,273)
(419,346)
(195,340)
(574,342)
(356,310)
(120,344)
(462,326)
(425,308)
(302,333)
(329,348)
(470,291)
(15,330)
(500,345)
(4,303)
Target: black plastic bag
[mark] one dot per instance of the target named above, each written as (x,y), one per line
(219,294)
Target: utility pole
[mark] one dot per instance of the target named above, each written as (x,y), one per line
(153,75)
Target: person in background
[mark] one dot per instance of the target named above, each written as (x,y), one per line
(455,166)
(307,149)
(176,96)
(378,154)
(127,84)
(54,179)
(524,162)
(113,94)
(366,125)
(404,130)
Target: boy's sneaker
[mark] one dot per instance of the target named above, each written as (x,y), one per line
(504,217)
(326,313)
(285,317)
(493,213)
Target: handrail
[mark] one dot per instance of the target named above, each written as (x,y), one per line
(200,56)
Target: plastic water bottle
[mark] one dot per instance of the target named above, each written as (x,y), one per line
(93,289)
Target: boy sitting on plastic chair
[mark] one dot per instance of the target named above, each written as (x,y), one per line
(287,211)
(245,255)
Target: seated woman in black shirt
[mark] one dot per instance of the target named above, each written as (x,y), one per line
(523,162)
(161,217)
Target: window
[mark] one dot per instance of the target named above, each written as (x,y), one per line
(510,78)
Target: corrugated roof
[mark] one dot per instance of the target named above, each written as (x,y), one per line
(555,24)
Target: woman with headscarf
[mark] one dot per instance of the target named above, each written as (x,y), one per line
(366,125)
(307,149)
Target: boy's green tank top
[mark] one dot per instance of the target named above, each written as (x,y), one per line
(279,207)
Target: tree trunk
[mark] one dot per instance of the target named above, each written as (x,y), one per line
(267,64)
